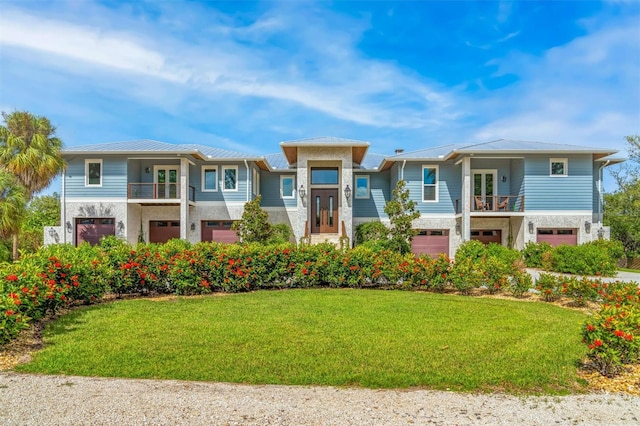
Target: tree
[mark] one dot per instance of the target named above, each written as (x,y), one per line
(622,208)
(402,212)
(12,206)
(30,151)
(41,211)
(254,225)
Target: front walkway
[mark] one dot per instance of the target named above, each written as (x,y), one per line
(622,275)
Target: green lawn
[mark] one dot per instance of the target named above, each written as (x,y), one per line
(371,338)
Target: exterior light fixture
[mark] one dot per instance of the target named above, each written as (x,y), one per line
(302,192)
(120,225)
(69,228)
(52,232)
(587,227)
(530,227)
(147,170)
(347,192)
(458,228)
(504,178)
(600,233)
(193,226)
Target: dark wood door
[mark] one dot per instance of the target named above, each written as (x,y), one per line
(324,211)
(161,231)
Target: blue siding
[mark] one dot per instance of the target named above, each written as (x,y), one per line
(502,167)
(195,174)
(517,181)
(270,190)
(378,197)
(114,178)
(573,192)
(449,186)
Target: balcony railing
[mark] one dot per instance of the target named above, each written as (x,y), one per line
(157,191)
(495,203)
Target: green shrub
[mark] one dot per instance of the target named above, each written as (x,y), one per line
(371,232)
(533,253)
(548,286)
(465,275)
(520,283)
(281,234)
(473,250)
(584,259)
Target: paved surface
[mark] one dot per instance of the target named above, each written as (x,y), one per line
(67,400)
(622,275)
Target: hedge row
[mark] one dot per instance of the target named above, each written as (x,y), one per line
(599,257)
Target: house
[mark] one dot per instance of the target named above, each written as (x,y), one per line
(504,191)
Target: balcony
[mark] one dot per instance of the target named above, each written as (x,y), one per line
(504,204)
(157,193)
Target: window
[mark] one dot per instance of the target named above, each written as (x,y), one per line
(430,183)
(362,187)
(209,178)
(324,176)
(558,167)
(230,176)
(256,182)
(287,186)
(93,172)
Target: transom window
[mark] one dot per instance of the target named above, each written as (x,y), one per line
(558,167)
(362,187)
(209,178)
(230,176)
(287,186)
(430,183)
(93,172)
(324,176)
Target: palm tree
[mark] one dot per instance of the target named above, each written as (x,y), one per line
(12,207)
(30,151)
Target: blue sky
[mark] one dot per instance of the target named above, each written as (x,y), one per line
(246,75)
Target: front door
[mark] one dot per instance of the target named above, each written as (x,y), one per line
(484,188)
(324,211)
(166,182)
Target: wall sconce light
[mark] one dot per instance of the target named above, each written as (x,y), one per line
(458,228)
(347,192)
(68,224)
(587,227)
(600,233)
(147,170)
(52,232)
(530,227)
(193,226)
(302,192)
(120,226)
(504,178)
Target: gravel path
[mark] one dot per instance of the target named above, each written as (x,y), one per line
(67,400)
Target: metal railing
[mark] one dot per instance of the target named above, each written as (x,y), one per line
(495,203)
(157,191)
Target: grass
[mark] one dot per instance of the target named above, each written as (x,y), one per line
(370,338)
(629,270)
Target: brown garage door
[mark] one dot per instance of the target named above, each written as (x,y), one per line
(555,237)
(218,231)
(487,236)
(431,241)
(93,229)
(161,231)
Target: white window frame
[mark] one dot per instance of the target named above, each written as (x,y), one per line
(256,182)
(86,172)
(203,188)
(293,186)
(565,161)
(436,185)
(223,180)
(355,189)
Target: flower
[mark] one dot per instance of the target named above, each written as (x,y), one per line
(619,333)
(9,312)
(590,327)
(597,342)
(12,277)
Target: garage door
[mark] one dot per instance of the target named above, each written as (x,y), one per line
(555,237)
(218,231)
(161,231)
(486,236)
(91,230)
(431,241)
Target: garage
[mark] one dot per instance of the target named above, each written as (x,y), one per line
(93,229)
(557,236)
(218,231)
(486,236)
(161,231)
(431,241)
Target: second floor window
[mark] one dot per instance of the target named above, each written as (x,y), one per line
(93,172)
(287,186)
(558,167)
(209,178)
(430,183)
(230,176)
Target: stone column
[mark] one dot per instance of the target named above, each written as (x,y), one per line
(466,199)
(184,199)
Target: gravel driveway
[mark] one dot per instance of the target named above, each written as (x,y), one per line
(67,400)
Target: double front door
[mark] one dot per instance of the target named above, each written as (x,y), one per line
(324,211)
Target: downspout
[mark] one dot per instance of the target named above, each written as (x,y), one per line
(246,165)
(63,209)
(402,170)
